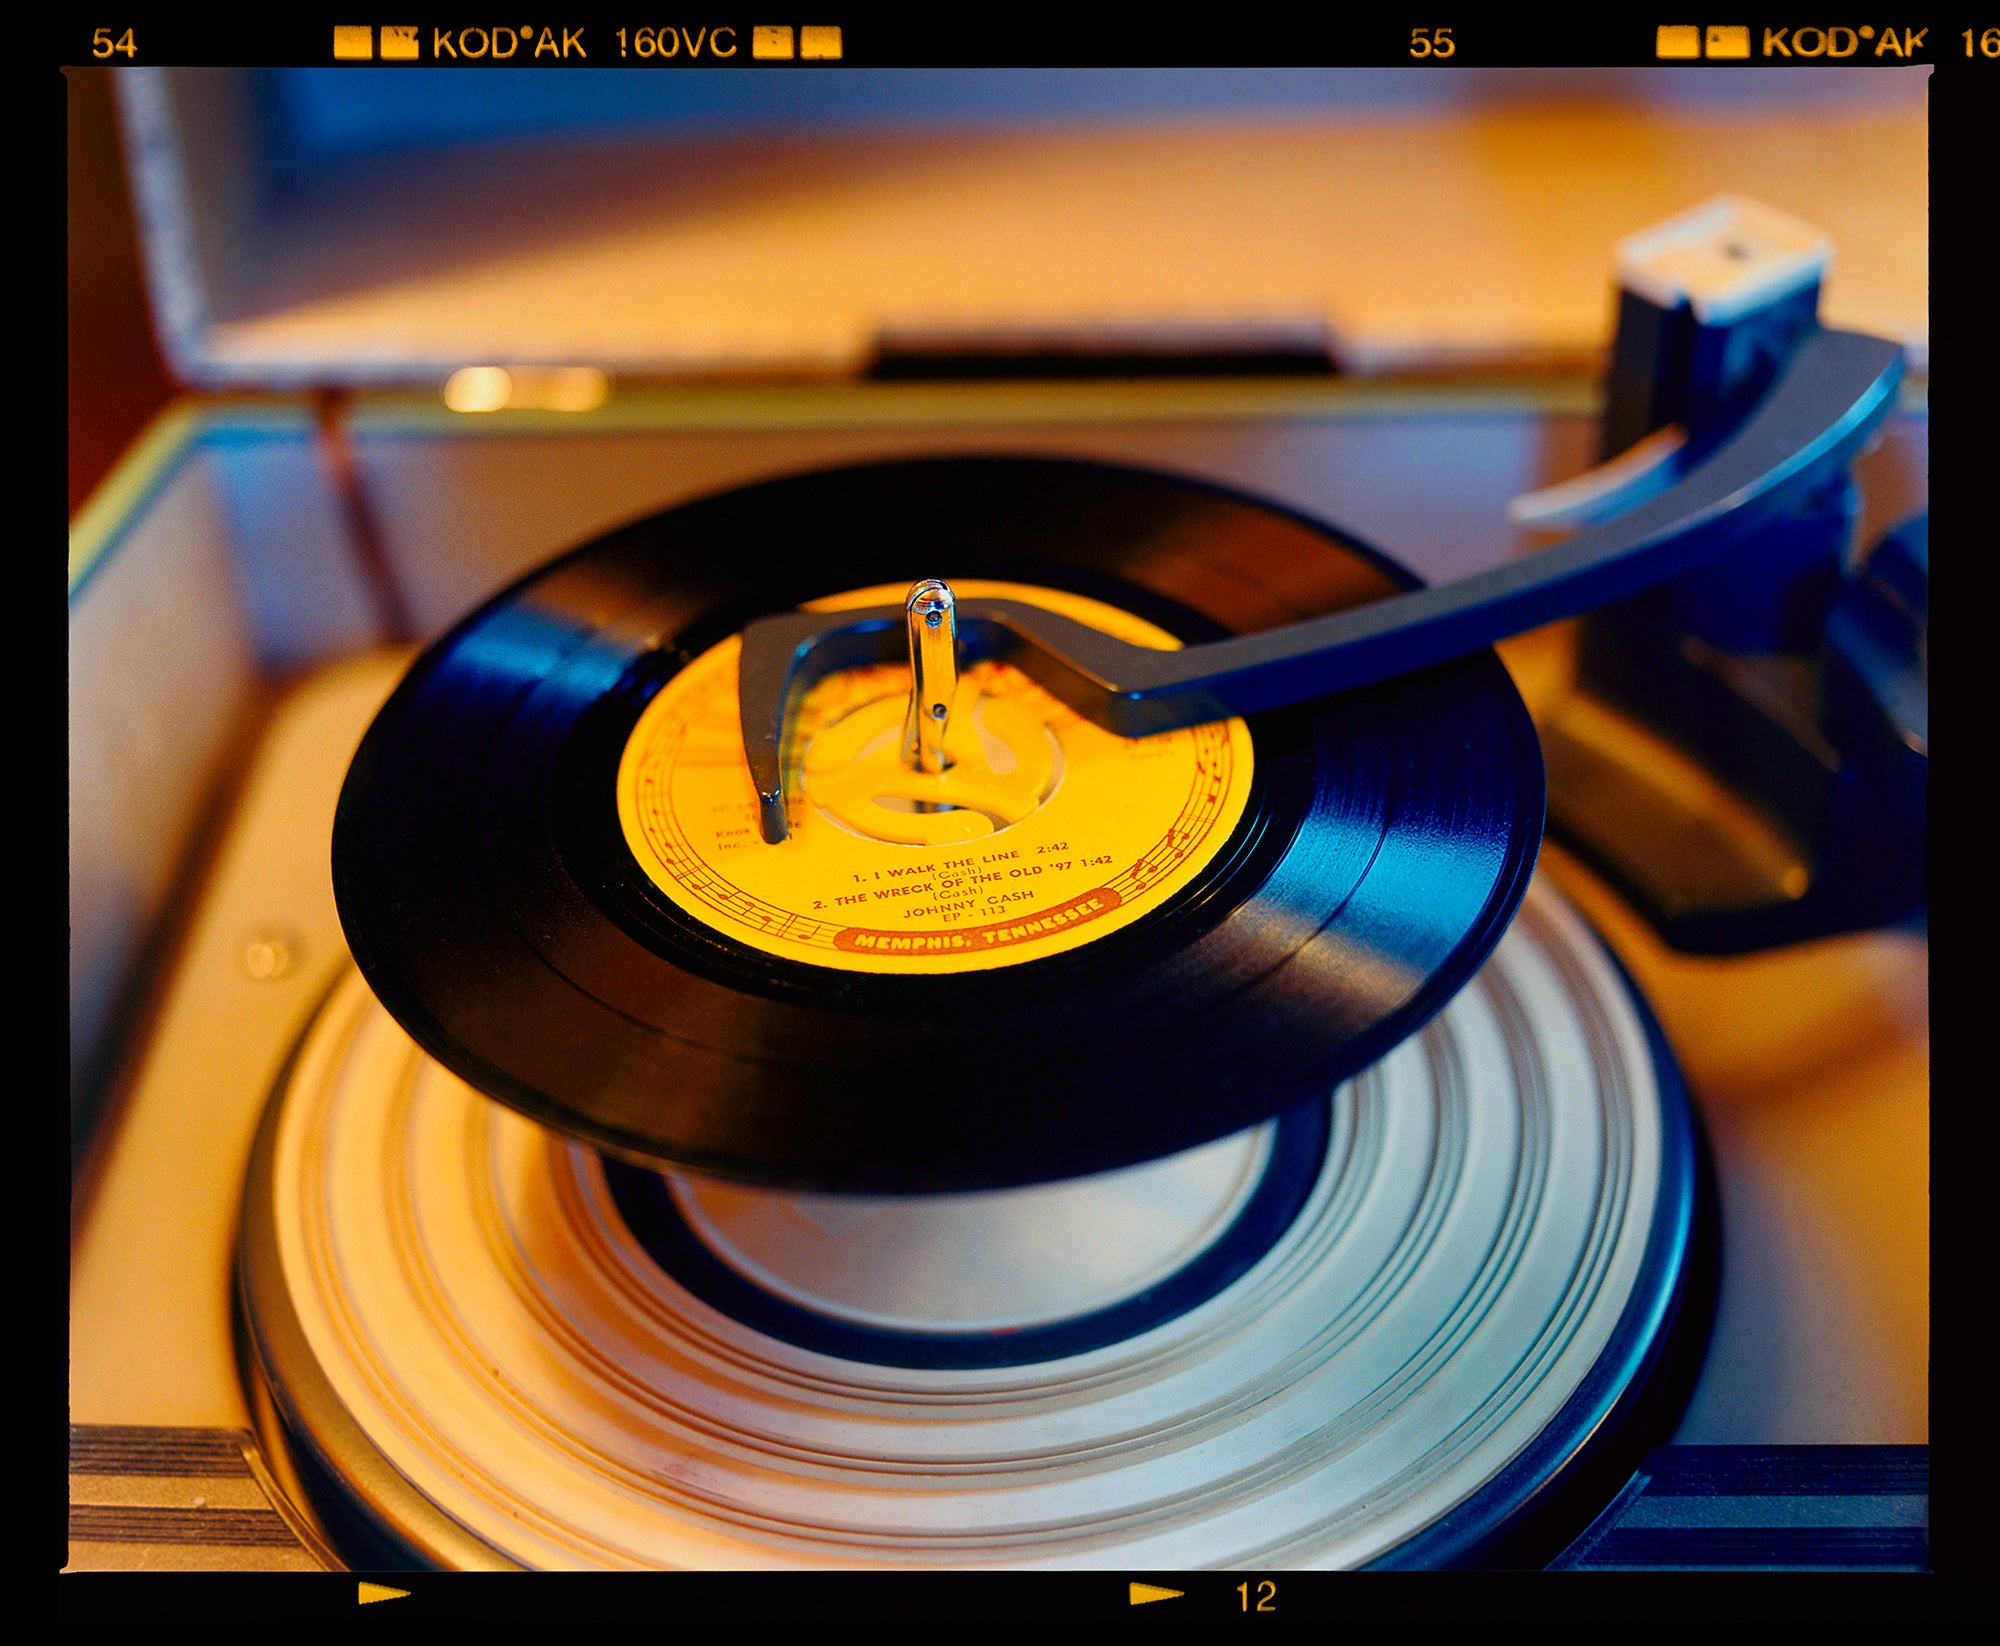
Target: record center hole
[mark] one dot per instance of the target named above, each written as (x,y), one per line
(1005,763)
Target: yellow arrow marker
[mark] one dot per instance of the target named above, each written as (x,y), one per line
(1145,1593)
(372,1592)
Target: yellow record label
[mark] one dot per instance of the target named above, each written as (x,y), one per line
(1043,833)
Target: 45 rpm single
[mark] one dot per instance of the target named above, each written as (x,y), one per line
(543,873)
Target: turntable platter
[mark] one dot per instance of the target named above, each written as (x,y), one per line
(468,1329)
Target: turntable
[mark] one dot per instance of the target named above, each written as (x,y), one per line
(986,988)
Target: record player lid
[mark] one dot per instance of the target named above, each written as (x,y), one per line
(328,226)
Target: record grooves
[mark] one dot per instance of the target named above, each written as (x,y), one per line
(1477,1317)
(495,907)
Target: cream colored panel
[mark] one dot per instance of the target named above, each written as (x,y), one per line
(1811,1067)
(150,1269)
(161,672)
(464,516)
(295,561)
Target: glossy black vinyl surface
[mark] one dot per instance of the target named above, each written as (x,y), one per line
(488,895)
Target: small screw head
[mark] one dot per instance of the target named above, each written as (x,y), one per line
(268,956)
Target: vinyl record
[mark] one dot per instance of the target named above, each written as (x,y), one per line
(547,871)
(1433,1318)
